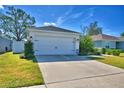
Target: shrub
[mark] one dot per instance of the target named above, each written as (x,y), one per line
(97,51)
(116,52)
(109,51)
(86,45)
(28,50)
(22,56)
(103,50)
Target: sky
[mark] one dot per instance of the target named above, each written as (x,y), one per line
(110,18)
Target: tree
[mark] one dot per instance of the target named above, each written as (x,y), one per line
(15,22)
(122,34)
(93,29)
(28,50)
(83,29)
(86,45)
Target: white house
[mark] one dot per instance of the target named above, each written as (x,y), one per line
(108,41)
(18,46)
(5,44)
(51,40)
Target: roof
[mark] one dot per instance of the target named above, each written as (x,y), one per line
(53,28)
(121,38)
(104,37)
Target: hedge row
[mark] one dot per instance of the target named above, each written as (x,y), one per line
(109,51)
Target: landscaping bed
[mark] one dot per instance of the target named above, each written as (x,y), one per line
(16,72)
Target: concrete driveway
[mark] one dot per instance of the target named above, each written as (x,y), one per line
(79,72)
(60,58)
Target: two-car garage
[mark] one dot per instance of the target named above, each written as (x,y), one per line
(53,45)
(50,40)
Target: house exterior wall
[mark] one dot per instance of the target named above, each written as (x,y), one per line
(120,45)
(98,44)
(104,44)
(111,44)
(18,46)
(5,43)
(58,35)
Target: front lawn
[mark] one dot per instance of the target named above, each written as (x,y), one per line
(16,72)
(121,54)
(111,60)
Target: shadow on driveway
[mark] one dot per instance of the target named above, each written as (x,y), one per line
(61,58)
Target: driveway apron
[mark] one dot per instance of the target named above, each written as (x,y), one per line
(80,73)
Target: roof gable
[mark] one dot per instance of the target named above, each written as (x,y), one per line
(104,37)
(53,28)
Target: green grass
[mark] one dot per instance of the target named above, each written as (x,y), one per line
(116,61)
(16,72)
(121,54)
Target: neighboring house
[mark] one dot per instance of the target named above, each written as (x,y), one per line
(108,41)
(18,46)
(120,43)
(5,44)
(51,40)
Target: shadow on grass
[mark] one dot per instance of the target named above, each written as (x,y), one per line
(22,56)
(33,58)
(97,58)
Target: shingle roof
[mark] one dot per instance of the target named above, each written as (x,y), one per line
(104,37)
(53,28)
(121,38)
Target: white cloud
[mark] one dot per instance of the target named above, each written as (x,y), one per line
(1,7)
(88,14)
(91,12)
(63,18)
(68,15)
(76,15)
(54,24)
(46,23)
(60,20)
(69,11)
(49,24)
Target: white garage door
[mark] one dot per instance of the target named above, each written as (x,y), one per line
(54,46)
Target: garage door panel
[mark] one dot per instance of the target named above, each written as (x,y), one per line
(53,46)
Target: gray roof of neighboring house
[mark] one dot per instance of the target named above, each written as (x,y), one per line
(53,28)
(104,37)
(121,38)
